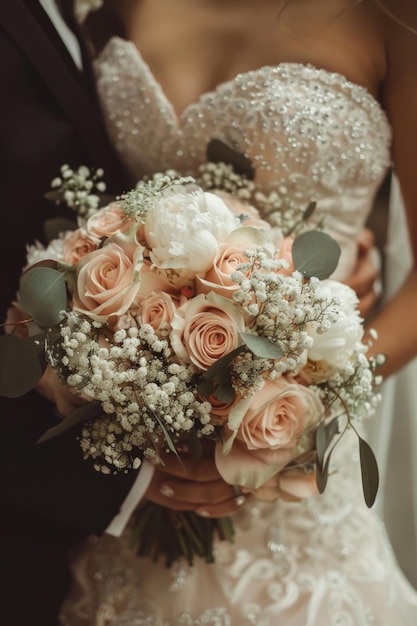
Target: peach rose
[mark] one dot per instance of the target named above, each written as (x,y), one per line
(77,245)
(267,431)
(228,258)
(108,221)
(206,328)
(158,310)
(107,283)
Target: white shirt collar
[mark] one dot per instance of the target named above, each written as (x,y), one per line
(67,36)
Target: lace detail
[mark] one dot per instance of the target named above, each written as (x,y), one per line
(311,134)
(325,561)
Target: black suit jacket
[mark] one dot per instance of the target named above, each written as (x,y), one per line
(50,498)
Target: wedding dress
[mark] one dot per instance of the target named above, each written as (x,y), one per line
(311,135)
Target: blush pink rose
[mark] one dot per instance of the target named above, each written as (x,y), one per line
(77,245)
(107,283)
(277,425)
(218,278)
(158,310)
(206,328)
(108,222)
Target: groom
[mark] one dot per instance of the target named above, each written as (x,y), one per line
(50,499)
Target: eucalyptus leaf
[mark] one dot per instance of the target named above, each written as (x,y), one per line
(225,393)
(370,474)
(222,364)
(322,475)
(20,369)
(38,344)
(43,295)
(219,152)
(261,347)
(315,254)
(309,211)
(321,445)
(80,415)
(206,388)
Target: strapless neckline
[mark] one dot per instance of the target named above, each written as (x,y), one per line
(331,77)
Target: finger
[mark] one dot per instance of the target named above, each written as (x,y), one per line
(368,302)
(366,240)
(366,273)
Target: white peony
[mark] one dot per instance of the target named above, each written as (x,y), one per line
(184,227)
(338,343)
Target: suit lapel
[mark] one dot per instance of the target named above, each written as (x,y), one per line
(49,58)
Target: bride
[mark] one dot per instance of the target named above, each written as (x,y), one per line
(320,95)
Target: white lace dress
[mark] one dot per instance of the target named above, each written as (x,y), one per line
(311,135)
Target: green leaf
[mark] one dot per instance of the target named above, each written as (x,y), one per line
(20,369)
(370,474)
(261,347)
(324,437)
(322,474)
(43,295)
(321,445)
(315,254)
(309,211)
(225,393)
(216,371)
(78,416)
(219,152)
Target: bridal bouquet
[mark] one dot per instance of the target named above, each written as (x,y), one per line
(175,314)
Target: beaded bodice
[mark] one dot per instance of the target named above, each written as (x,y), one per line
(311,134)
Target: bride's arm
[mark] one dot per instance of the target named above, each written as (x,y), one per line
(397,323)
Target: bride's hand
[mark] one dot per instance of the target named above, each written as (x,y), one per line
(193,485)
(366,277)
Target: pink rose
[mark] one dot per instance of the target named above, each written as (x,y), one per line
(267,431)
(158,310)
(228,258)
(206,328)
(108,221)
(218,278)
(77,245)
(107,283)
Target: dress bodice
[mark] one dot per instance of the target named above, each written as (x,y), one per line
(310,134)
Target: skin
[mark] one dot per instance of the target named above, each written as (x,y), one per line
(219,39)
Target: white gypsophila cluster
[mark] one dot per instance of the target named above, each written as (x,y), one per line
(143,393)
(352,390)
(282,307)
(138,201)
(215,176)
(78,188)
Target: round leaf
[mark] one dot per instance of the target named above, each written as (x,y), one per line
(43,295)
(20,369)
(315,254)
